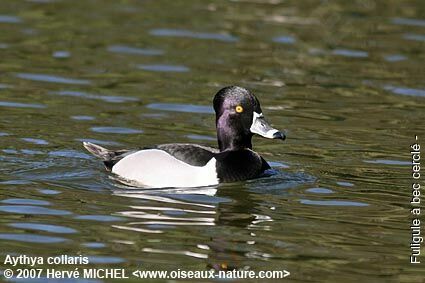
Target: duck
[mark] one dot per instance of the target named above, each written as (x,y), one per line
(238,118)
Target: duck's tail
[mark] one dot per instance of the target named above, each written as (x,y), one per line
(98,151)
(109,157)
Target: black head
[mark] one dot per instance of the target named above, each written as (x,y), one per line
(238,117)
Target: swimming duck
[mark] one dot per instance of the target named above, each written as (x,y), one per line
(238,118)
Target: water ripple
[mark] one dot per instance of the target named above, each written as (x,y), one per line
(31,238)
(188,253)
(115,130)
(345,184)
(105,259)
(408,22)
(44,227)
(350,53)
(10,19)
(25,201)
(286,39)
(164,68)
(136,229)
(134,50)
(332,202)
(189,108)
(35,141)
(16,182)
(395,58)
(160,219)
(61,54)
(51,79)
(49,192)
(192,34)
(319,191)
(405,90)
(415,37)
(388,162)
(31,152)
(99,142)
(200,137)
(275,164)
(69,154)
(83,118)
(21,105)
(100,218)
(4,86)
(35,210)
(106,98)
(94,245)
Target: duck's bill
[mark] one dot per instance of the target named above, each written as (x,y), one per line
(261,127)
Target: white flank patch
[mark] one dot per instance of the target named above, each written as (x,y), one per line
(157,169)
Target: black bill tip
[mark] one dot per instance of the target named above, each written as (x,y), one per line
(279,135)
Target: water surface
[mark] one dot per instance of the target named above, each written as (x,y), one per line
(344,79)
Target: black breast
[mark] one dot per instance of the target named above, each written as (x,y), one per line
(239,165)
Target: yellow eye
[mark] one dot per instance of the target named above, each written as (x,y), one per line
(239,109)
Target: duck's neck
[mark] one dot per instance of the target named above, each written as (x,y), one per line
(230,138)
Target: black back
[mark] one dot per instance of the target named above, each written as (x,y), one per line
(193,154)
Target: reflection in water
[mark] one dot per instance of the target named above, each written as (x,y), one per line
(221,206)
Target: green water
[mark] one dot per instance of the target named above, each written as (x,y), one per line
(345,79)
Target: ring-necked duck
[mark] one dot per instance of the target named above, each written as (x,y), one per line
(238,118)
